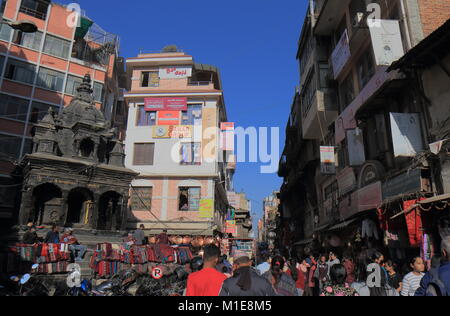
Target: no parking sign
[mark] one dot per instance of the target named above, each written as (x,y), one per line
(157,273)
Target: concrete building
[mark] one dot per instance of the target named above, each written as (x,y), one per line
(176,108)
(357,130)
(269,221)
(43,69)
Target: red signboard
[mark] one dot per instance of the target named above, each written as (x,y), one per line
(168,118)
(228,126)
(166,104)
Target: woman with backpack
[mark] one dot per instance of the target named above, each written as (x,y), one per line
(282,283)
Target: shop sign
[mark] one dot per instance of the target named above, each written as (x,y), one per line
(168,118)
(367,198)
(327,160)
(175,72)
(206,208)
(165,104)
(386,41)
(172,131)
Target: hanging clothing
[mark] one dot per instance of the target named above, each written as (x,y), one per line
(369,229)
(414,224)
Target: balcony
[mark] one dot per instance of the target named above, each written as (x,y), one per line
(319,114)
(329,14)
(35,8)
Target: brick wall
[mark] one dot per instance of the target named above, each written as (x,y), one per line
(433,13)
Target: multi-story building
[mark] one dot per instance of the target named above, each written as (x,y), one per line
(176,108)
(271,206)
(43,69)
(367,130)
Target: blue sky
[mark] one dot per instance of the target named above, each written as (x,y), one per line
(253,42)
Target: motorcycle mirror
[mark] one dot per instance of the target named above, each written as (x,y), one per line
(14,278)
(35,266)
(25,279)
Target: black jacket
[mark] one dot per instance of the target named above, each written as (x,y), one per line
(30,238)
(259,287)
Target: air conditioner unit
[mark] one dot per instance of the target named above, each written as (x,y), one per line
(359,17)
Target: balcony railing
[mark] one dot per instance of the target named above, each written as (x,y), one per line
(199,83)
(34,13)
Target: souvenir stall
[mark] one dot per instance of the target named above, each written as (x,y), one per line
(51,258)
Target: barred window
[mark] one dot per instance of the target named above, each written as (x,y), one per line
(141,198)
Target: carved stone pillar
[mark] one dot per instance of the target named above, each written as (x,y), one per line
(26,207)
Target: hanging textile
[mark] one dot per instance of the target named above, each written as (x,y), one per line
(414,224)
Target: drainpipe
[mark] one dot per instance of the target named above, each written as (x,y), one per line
(405,24)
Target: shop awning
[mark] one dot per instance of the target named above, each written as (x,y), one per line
(303,242)
(85,25)
(343,224)
(435,199)
(320,228)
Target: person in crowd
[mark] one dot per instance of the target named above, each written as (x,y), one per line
(223,266)
(74,245)
(321,273)
(245,281)
(208,281)
(283,284)
(411,281)
(394,280)
(31,237)
(332,260)
(139,235)
(349,266)
(311,285)
(338,287)
(129,240)
(296,273)
(163,238)
(265,265)
(52,236)
(437,281)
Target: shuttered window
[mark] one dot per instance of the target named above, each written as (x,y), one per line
(143,154)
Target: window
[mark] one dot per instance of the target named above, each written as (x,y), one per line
(193,116)
(119,108)
(56,46)
(347,91)
(2,62)
(191,154)
(29,40)
(10,147)
(5,32)
(20,71)
(308,93)
(366,69)
(39,110)
(141,198)
(145,118)
(36,8)
(189,199)
(98,92)
(150,79)
(144,154)
(50,79)
(13,108)
(72,84)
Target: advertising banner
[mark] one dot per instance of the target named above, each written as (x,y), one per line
(168,118)
(227,136)
(327,160)
(231,227)
(341,54)
(175,72)
(386,41)
(172,131)
(165,104)
(206,208)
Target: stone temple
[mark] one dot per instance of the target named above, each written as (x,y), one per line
(75,175)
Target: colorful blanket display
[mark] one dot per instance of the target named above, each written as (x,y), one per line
(109,259)
(52,258)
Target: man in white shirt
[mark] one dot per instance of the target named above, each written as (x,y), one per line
(265,266)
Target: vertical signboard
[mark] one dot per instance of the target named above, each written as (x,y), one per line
(327,160)
(206,208)
(356,152)
(406,134)
(386,41)
(341,54)
(227,136)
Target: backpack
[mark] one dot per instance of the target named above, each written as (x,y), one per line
(436,287)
